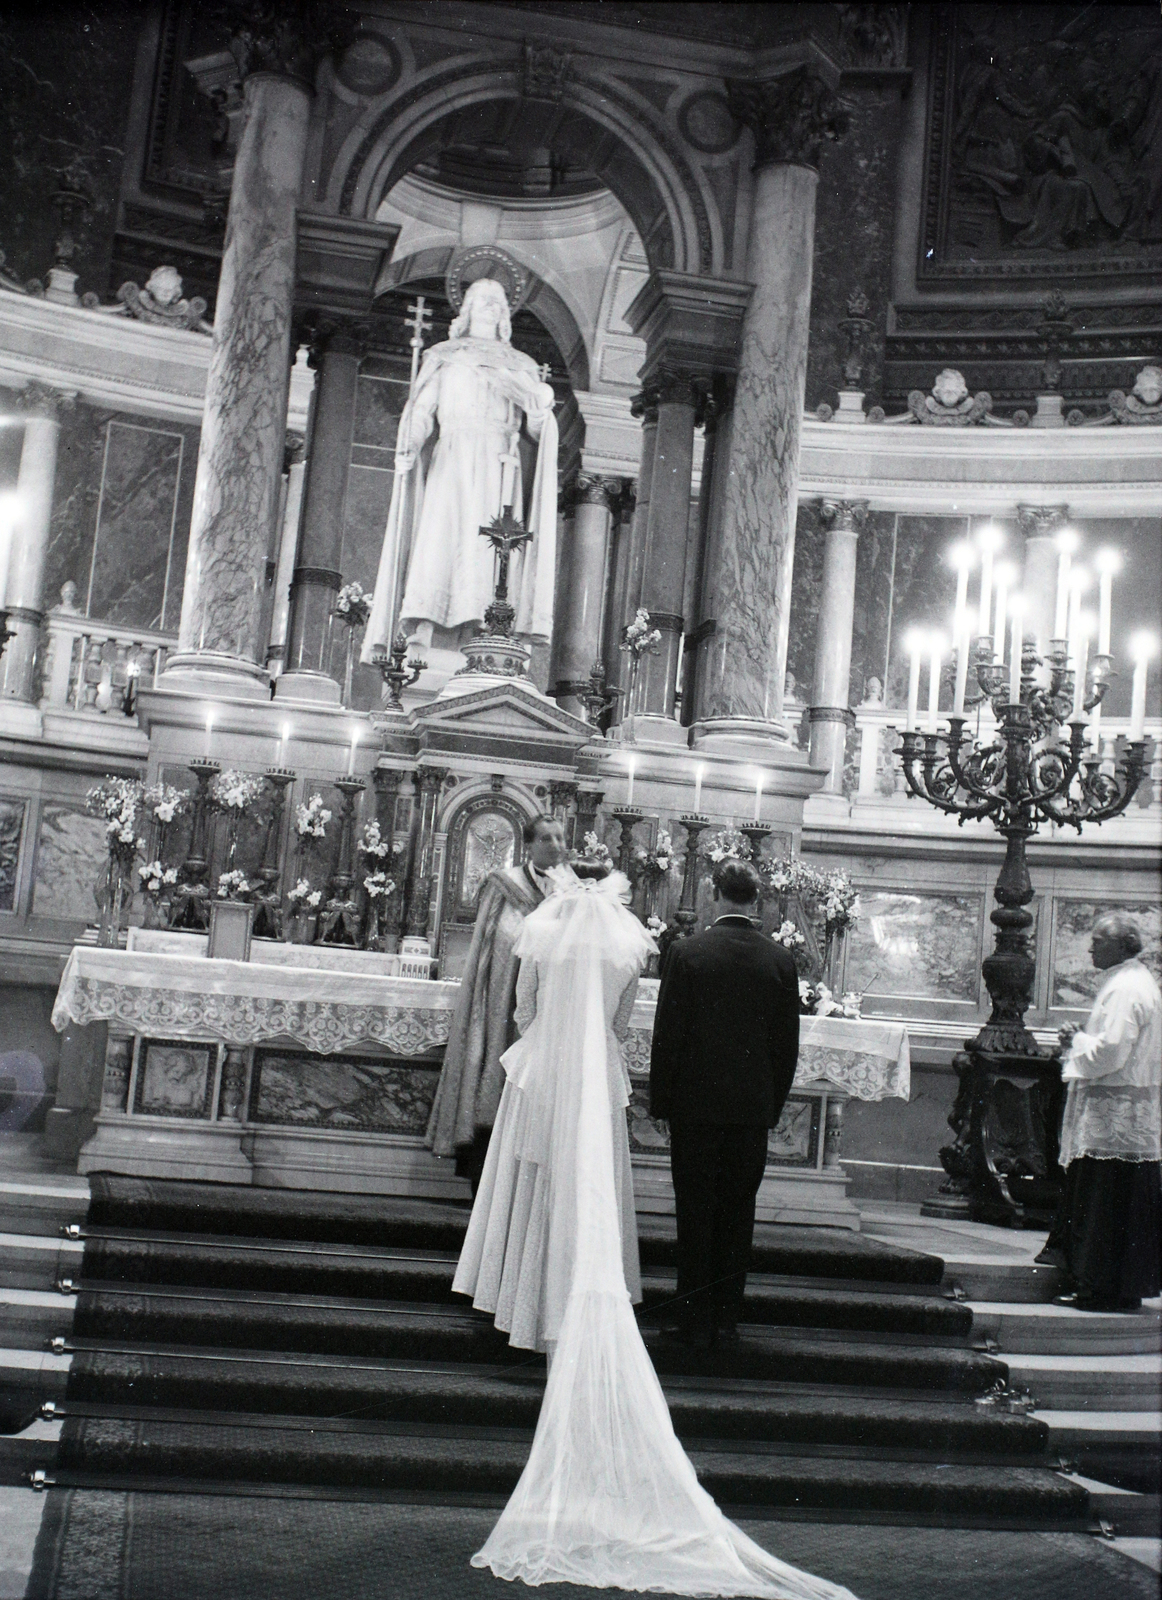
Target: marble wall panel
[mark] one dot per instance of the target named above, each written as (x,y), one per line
(175,1079)
(1075,979)
(378,404)
(11,829)
(793,1143)
(342,1092)
(806,588)
(871,623)
(70,860)
(919,946)
(132,563)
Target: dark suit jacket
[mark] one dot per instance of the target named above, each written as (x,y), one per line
(726,1029)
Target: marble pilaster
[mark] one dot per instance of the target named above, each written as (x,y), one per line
(829,702)
(666,540)
(288,544)
(583,593)
(1040,525)
(236,491)
(740,676)
(23,594)
(317,578)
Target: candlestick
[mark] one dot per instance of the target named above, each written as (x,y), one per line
(934,683)
(758,796)
(209,728)
(1108,562)
(1080,662)
(1015,663)
(698,771)
(1141,649)
(629,789)
(915,646)
(1066,545)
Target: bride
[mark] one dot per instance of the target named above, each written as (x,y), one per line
(608,1497)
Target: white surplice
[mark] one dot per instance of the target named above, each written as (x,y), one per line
(608,1497)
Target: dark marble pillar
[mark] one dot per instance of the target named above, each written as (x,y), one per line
(645,406)
(666,540)
(317,578)
(236,491)
(582,589)
(740,678)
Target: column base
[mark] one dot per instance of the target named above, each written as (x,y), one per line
(313,688)
(826,807)
(206,673)
(18,663)
(651,729)
(739,735)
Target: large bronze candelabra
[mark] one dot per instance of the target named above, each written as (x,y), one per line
(1037,767)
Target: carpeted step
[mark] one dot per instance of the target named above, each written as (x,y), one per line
(93,1450)
(463,1398)
(144,1205)
(237,1321)
(380,1275)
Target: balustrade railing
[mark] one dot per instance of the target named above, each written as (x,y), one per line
(874,777)
(96,667)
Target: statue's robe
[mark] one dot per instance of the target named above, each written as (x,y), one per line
(482,1026)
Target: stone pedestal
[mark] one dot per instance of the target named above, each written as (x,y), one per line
(829,704)
(236,491)
(24,594)
(317,578)
(752,547)
(583,590)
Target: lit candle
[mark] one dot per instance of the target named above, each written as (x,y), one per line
(1080,662)
(915,643)
(962,649)
(1108,562)
(937,645)
(990,540)
(1078,583)
(758,795)
(1066,545)
(1141,649)
(209,729)
(629,791)
(351,753)
(1005,576)
(283,735)
(698,771)
(961,555)
(1016,609)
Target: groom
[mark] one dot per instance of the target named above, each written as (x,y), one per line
(726,1039)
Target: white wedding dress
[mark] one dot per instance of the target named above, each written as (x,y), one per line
(608,1497)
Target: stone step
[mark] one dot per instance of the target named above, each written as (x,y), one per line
(36,1261)
(31,1318)
(1123,1448)
(43,1206)
(1089,1383)
(1061,1330)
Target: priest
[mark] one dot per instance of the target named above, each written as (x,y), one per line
(482,1028)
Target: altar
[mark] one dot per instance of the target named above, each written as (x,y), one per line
(322,1075)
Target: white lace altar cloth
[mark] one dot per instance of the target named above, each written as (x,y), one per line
(192,997)
(240,1002)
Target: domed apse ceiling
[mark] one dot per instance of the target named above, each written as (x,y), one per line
(508,149)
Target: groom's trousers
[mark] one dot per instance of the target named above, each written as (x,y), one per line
(716,1173)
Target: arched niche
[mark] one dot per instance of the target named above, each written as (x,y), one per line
(621,138)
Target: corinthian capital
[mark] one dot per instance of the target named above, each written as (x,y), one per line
(790,117)
(1041,522)
(849,515)
(41,400)
(593,491)
(286,37)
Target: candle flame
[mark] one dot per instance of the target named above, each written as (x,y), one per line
(1108,561)
(1067,541)
(1143,645)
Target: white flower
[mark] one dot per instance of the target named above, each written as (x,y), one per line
(789,936)
(311,818)
(373,843)
(236,791)
(233,883)
(656,926)
(378,884)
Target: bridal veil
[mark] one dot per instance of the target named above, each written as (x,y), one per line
(608,1497)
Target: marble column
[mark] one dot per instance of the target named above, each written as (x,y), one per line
(23,594)
(740,676)
(844,520)
(1040,525)
(236,490)
(666,542)
(645,406)
(317,578)
(621,537)
(583,590)
(288,544)
(428,782)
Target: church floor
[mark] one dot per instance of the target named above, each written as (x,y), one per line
(104,1545)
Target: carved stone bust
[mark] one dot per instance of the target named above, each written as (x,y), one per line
(949,405)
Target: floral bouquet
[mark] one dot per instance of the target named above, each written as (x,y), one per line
(639,637)
(311,818)
(235,885)
(789,936)
(817,1000)
(303,898)
(235,792)
(378,885)
(657,862)
(727,845)
(119,802)
(155,878)
(373,843)
(353,605)
(656,926)
(163,802)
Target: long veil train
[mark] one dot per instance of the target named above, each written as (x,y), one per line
(608,1497)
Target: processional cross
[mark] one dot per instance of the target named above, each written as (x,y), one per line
(420,322)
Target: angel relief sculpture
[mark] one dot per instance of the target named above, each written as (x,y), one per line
(478,392)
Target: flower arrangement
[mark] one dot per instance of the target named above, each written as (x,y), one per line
(639,637)
(656,926)
(789,936)
(235,791)
(118,801)
(727,845)
(311,818)
(657,862)
(155,877)
(303,898)
(593,849)
(234,885)
(832,893)
(817,1000)
(164,802)
(353,605)
(373,843)
(378,885)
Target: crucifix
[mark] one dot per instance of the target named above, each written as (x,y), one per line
(420,322)
(505,534)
